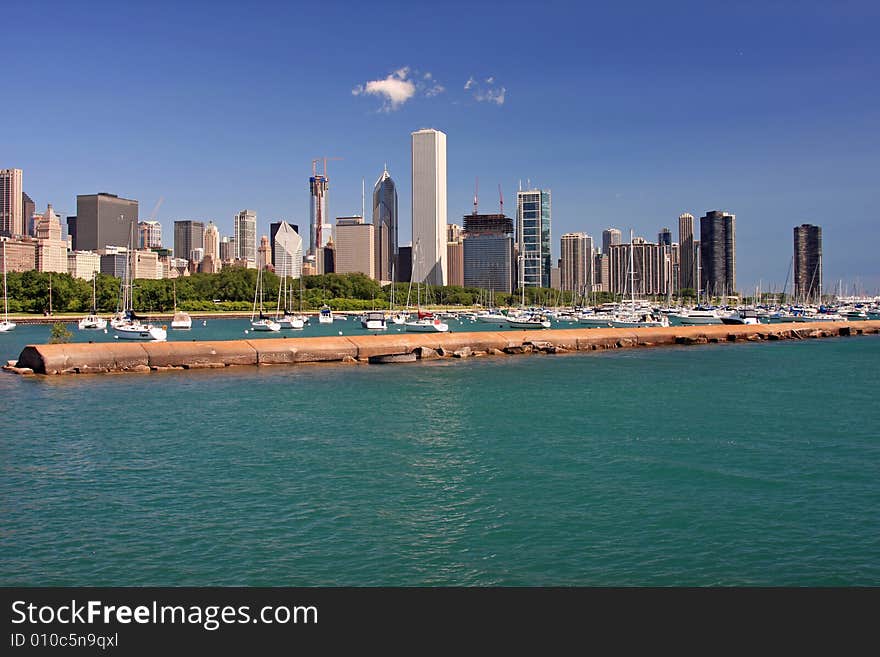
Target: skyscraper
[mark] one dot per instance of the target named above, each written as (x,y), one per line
(188,236)
(718,253)
(28,210)
(385,225)
(320,230)
(610,237)
(12,219)
(104,220)
(245,229)
(212,241)
(533,214)
(429,206)
(487,253)
(355,242)
(664,237)
(149,235)
(576,264)
(287,253)
(687,272)
(807,262)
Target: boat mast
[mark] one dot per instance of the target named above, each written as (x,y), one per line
(632,271)
(5,293)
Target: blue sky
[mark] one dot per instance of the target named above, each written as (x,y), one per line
(630,113)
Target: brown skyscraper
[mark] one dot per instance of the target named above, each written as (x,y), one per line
(687,272)
(807,262)
(718,253)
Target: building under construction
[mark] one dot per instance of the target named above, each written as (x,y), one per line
(488,252)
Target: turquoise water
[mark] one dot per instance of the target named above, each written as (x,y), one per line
(719,465)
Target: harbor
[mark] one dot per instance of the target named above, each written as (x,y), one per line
(92,358)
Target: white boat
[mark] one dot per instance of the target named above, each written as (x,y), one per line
(426,323)
(374,321)
(596,320)
(261,322)
(697,317)
(5,325)
(325,315)
(135,330)
(399,318)
(639,321)
(491,317)
(529,322)
(741,317)
(181,320)
(92,321)
(126,325)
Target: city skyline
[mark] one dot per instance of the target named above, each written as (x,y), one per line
(795,143)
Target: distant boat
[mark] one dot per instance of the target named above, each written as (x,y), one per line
(697,317)
(374,321)
(325,315)
(5,325)
(127,325)
(181,320)
(426,323)
(740,317)
(92,321)
(528,322)
(263,323)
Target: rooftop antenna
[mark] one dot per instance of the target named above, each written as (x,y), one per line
(501,199)
(476,194)
(363,196)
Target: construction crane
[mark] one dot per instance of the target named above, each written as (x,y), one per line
(156,208)
(318,189)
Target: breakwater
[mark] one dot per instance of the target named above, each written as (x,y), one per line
(80,358)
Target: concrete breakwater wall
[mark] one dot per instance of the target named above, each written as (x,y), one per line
(82,358)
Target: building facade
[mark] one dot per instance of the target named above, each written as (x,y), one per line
(533,215)
(576,264)
(18,254)
(288,251)
(385,226)
(320,229)
(188,236)
(355,246)
(718,253)
(104,220)
(429,206)
(150,234)
(83,264)
(245,229)
(610,237)
(687,271)
(808,263)
(212,242)
(12,218)
(651,273)
(51,249)
(488,252)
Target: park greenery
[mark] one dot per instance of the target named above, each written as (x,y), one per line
(232,289)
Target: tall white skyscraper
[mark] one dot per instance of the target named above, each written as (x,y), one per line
(288,255)
(245,230)
(429,206)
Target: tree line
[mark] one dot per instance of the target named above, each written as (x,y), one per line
(233,289)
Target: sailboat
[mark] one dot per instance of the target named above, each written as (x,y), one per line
(127,325)
(263,323)
(525,319)
(181,320)
(92,321)
(5,325)
(634,318)
(397,317)
(287,320)
(426,322)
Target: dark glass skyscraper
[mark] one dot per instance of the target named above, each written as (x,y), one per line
(385,228)
(807,262)
(687,271)
(718,253)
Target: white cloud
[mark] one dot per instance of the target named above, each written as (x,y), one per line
(486,91)
(396,89)
(401,85)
